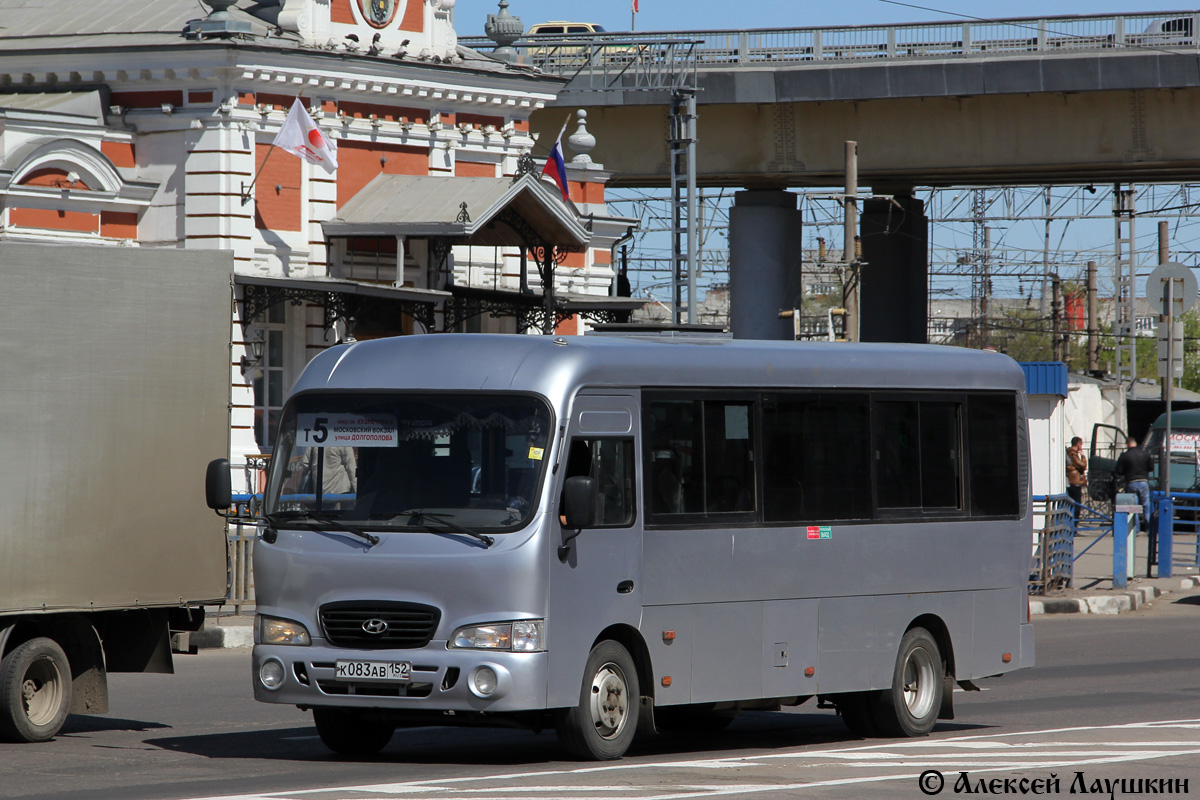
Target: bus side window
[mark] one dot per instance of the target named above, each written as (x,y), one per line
(610,463)
(816,457)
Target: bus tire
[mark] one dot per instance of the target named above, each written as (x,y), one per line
(910,707)
(348,733)
(857,710)
(35,691)
(602,726)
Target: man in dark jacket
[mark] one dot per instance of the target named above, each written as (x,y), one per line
(1133,475)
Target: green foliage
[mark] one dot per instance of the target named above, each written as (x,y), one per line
(1026,335)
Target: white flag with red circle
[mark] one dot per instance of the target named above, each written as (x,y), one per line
(300,135)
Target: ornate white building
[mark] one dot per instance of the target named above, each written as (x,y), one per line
(147,124)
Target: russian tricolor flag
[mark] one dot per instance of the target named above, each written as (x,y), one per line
(556,168)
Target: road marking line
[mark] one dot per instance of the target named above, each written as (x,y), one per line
(1024,755)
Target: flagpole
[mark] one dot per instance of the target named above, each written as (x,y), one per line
(560,134)
(246,189)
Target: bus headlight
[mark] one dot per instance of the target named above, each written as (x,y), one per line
(271,630)
(522,636)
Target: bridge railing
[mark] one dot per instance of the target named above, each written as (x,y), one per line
(768,47)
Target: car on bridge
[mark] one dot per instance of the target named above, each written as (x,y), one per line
(565,29)
(560,50)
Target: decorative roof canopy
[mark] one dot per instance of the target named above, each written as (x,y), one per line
(496,212)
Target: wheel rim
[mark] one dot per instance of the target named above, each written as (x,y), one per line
(920,677)
(42,691)
(609,702)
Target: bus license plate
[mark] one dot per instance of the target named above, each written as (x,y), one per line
(398,671)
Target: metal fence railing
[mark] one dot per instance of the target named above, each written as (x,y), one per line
(971,38)
(1178,527)
(241,536)
(1054,555)
(1173,539)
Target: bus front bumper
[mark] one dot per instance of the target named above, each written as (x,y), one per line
(441,679)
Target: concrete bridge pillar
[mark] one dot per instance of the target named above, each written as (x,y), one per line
(894,283)
(765,249)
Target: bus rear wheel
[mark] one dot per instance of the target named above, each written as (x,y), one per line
(348,733)
(857,710)
(35,691)
(602,726)
(911,706)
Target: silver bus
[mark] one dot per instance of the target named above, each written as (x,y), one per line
(611,535)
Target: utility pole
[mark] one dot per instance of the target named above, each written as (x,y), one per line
(1093,331)
(1056,316)
(985,289)
(684,233)
(851,284)
(1124,201)
(1168,381)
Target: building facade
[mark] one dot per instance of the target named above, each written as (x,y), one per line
(127,124)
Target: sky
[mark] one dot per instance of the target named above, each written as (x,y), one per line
(676,15)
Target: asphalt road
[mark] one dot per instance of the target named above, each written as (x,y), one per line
(1111,698)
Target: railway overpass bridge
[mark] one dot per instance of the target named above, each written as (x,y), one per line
(1078,99)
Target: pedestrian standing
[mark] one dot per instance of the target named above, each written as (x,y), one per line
(1133,475)
(1076,475)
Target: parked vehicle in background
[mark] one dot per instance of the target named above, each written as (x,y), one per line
(1108,442)
(116,364)
(564,28)
(560,50)
(610,535)
(1174,31)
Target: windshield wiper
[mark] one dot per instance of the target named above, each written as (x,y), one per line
(416,517)
(324,520)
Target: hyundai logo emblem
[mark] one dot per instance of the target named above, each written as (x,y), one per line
(375,626)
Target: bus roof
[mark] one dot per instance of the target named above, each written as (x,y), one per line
(552,365)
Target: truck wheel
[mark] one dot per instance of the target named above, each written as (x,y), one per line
(35,691)
(602,726)
(910,707)
(348,733)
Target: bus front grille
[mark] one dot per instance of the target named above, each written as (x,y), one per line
(379,625)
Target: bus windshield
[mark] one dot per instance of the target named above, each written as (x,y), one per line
(384,461)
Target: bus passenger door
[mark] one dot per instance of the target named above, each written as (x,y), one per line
(595,582)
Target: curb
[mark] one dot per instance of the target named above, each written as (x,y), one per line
(224,636)
(1112,602)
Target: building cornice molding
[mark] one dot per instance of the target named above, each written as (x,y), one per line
(339,75)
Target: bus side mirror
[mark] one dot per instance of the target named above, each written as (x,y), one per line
(217,489)
(579,502)
(578,509)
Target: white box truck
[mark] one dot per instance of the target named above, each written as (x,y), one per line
(115,365)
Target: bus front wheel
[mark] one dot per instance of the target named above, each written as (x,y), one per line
(348,733)
(35,691)
(602,726)
(910,707)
